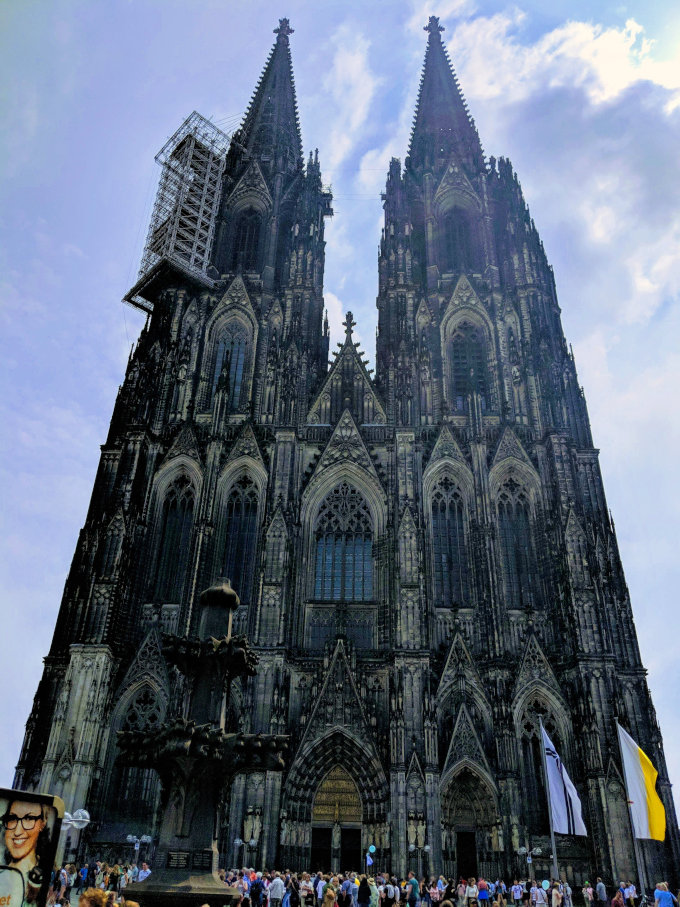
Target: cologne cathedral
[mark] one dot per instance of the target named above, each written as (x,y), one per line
(424,556)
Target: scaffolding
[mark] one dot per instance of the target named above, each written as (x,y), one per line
(185,212)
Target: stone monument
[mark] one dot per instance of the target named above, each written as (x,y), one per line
(196,758)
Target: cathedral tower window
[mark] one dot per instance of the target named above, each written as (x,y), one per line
(344,547)
(449,557)
(516,545)
(177,517)
(238,538)
(247,241)
(231,351)
(467,366)
(458,245)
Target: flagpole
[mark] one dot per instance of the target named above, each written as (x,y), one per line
(636,849)
(556,874)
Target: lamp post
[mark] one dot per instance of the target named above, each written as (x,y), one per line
(133,839)
(425,849)
(529,853)
(79,820)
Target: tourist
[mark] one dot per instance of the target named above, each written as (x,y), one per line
(276,890)
(412,889)
(600,892)
(556,898)
(93,897)
(144,872)
(663,897)
(471,892)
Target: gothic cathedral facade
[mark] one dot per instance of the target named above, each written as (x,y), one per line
(425,559)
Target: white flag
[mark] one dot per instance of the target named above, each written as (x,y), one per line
(564,801)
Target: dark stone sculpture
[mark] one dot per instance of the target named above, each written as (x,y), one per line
(196,757)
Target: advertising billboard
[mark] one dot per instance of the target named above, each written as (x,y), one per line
(30,833)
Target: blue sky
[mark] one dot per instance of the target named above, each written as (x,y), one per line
(584,98)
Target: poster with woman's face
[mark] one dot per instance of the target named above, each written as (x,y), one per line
(30,833)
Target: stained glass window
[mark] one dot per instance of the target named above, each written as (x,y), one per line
(247,241)
(231,347)
(516,546)
(177,518)
(449,557)
(239,538)
(467,362)
(344,547)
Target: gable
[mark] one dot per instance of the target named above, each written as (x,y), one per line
(338,704)
(347,385)
(346,446)
(455,188)
(458,660)
(252,187)
(446,447)
(185,443)
(465,745)
(509,445)
(534,668)
(246,445)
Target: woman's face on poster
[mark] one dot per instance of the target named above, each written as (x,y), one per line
(23,823)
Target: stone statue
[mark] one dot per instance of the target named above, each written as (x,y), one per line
(257,824)
(412,828)
(420,831)
(248,824)
(335,836)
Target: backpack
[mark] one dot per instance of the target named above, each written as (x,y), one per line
(256,890)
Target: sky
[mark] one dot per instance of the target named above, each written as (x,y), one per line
(584,98)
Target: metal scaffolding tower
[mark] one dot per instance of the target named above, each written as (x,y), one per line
(185,212)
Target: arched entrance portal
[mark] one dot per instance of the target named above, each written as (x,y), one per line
(470,825)
(336,822)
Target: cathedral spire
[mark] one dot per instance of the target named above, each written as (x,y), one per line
(442,124)
(271,127)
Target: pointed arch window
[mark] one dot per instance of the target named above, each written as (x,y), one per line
(174,547)
(231,353)
(535,800)
(247,241)
(467,366)
(344,547)
(518,557)
(236,558)
(138,789)
(449,555)
(458,246)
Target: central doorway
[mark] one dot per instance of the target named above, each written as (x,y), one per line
(466,853)
(336,823)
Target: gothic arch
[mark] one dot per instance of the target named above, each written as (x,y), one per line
(134,792)
(237,517)
(466,320)
(175,496)
(534,703)
(517,470)
(339,746)
(459,472)
(357,476)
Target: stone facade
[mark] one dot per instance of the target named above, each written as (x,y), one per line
(425,558)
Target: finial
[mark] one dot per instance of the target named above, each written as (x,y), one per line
(284,29)
(349,323)
(433,25)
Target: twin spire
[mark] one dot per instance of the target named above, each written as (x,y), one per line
(442,124)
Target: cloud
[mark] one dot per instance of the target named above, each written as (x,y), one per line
(351,84)
(603,61)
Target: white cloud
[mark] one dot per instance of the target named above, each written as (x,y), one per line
(351,84)
(603,61)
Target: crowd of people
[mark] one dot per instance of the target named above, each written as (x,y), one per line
(101,885)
